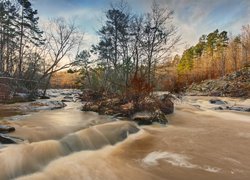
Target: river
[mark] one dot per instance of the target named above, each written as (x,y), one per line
(199,143)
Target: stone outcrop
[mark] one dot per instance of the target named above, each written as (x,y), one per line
(236,84)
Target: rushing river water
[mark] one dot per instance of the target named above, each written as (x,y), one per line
(198,143)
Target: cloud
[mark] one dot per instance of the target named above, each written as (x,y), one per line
(192,17)
(89,39)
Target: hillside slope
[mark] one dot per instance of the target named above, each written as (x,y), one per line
(236,84)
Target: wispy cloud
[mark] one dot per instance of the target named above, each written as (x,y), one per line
(192,17)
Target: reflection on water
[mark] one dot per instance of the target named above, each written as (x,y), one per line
(197,144)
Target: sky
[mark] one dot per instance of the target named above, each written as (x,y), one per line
(193,18)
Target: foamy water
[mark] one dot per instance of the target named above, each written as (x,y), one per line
(174,159)
(198,143)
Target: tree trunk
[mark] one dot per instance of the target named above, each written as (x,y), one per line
(21,46)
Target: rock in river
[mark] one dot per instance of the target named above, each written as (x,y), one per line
(217,101)
(5,139)
(147,118)
(6,129)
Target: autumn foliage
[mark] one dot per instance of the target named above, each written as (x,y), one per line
(215,55)
(64,80)
(139,87)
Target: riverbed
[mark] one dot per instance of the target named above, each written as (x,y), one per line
(198,143)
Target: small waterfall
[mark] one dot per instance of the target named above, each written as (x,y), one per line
(24,159)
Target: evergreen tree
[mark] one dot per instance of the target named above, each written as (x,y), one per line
(29,31)
(113,48)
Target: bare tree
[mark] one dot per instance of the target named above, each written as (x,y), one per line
(245,40)
(63,40)
(160,36)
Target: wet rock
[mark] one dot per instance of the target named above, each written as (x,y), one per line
(143,118)
(166,105)
(217,101)
(241,109)
(215,93)
(5,139)
(147,118)
(153,103)
(65,93)
(160,117)
(44,97)
(68,97)
(118,115)
(218,108)
(49,105)
(6,129)
(66,100)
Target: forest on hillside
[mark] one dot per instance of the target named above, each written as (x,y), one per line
(215,55)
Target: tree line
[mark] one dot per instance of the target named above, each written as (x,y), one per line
(214,56)
(128,57)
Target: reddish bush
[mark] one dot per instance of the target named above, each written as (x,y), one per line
(139,87)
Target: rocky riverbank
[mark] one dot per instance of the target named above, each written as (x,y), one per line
(236,84)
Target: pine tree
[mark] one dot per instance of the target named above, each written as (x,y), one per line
(29,31)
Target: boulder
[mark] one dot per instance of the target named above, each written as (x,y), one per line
(166,105)
(217,101)
(218,108)
(160,117)
(6,129)
(147,118)
(153,103)
(143,118)
(5,139)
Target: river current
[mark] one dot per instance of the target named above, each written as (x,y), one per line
(198,143)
